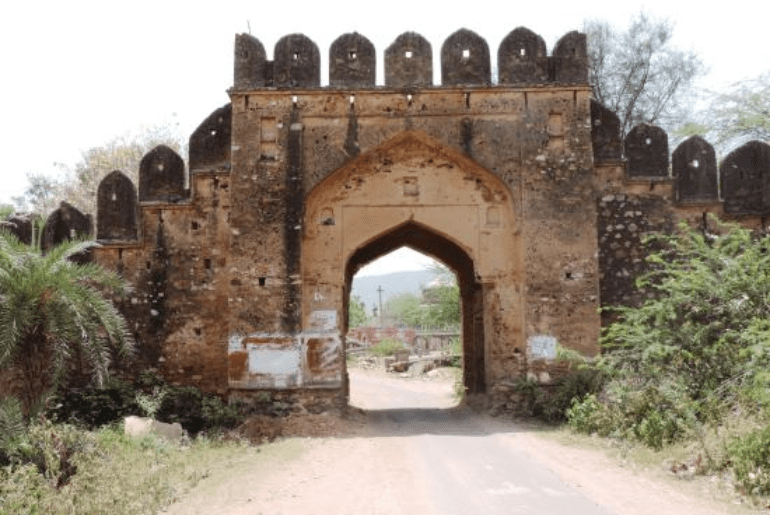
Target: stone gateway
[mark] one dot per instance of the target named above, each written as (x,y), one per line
(242,267)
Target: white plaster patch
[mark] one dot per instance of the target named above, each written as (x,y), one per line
(324,320)
(273,362)
(541,346)
(234,344)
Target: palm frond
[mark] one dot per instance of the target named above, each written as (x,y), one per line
(51,304)
(12,426)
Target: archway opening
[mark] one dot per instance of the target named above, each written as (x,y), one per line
(430,243)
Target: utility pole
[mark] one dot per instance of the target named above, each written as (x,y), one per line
(380,290)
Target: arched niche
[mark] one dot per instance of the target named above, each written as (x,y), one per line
(465,59)
(409,61)
(250,62)
(522,58)
(694,166)
(297,62)
(352,61)
(210,143)
(161,176)
(605,133)
(646,149)
(116,208)
(745,176)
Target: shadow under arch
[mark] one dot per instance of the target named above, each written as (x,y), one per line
(427,241)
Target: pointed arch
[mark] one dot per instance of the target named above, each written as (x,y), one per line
(414,191)
(424,239)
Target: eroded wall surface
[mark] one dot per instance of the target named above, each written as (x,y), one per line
(240,265)
(506,174)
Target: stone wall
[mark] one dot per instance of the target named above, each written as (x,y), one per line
(524,187)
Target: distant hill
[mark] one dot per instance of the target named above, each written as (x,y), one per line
(392,284)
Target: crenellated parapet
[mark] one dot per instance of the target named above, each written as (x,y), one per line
(646,190)
(161,176)
(741,183)
(694,168)
(464,61)
(209,145)
(116,208)
(352,62)
(409,61)
(745,179)
(646,148)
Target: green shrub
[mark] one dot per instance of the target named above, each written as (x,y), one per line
(386,347)
(645,414)
(149,396)
(195,411)
(698,348)
(652,416)
(92,406)
(576,385)
(658,428)
(590,416)
(151,402)
(456,352)
(750,457)
(50,448)
(551,403)
(116,474)
(219,414)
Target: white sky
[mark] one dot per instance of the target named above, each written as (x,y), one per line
(400,259)
(78,73)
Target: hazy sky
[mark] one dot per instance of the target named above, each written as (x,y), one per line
(76,74)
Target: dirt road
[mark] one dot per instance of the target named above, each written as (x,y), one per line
(431,458)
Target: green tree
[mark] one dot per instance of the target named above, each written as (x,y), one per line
(438,306)
(356,312)
(639,74)
(444,306)
(740,114)
(42,195)
(53,313)
(405,309)
(78,184)
(442,298)
(6,210)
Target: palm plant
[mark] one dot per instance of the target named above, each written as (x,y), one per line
(53,311)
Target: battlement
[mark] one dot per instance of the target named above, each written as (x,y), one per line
(465,61)
(740,185)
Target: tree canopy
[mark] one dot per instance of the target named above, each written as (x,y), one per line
(638,73)
(356,312)
(78,184)
(735,116)
(439,305)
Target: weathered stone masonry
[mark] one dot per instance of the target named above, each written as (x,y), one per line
(523,187)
